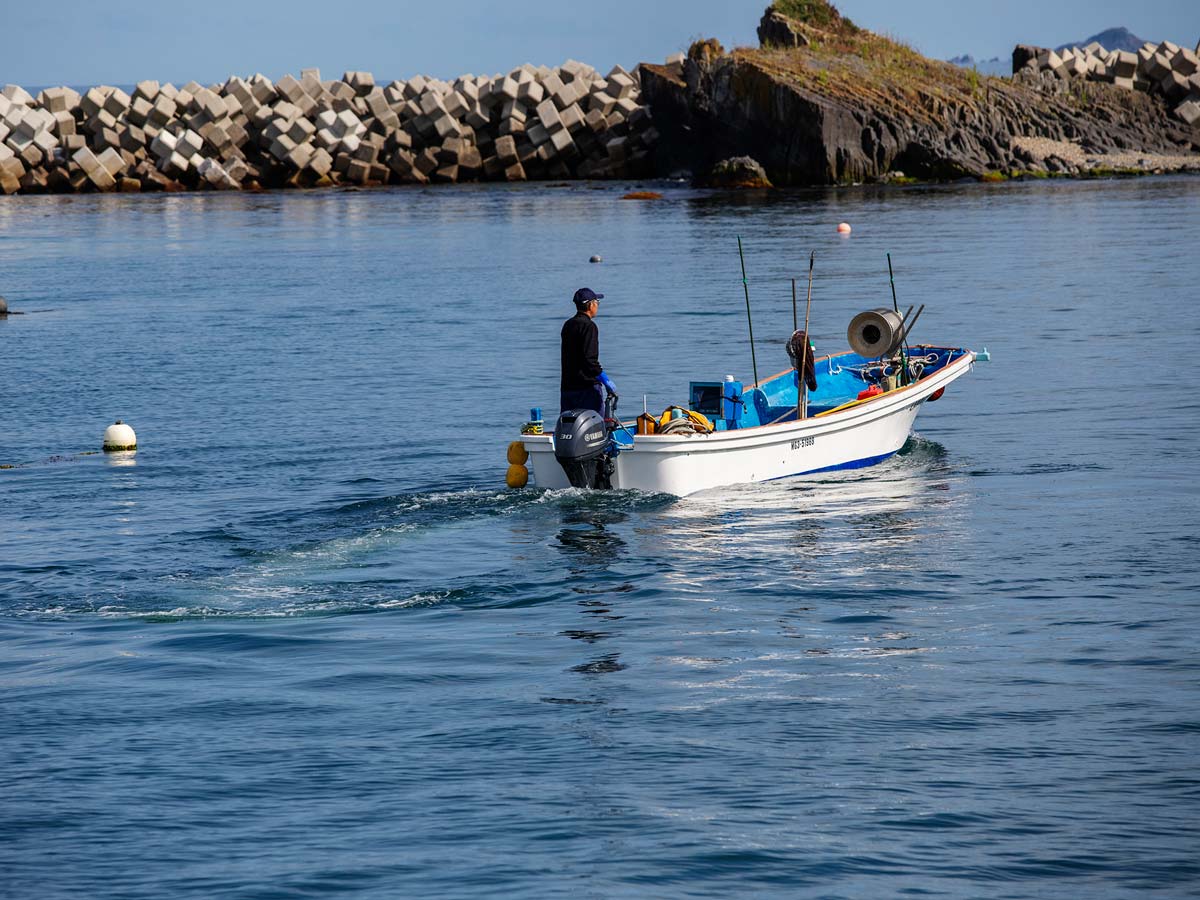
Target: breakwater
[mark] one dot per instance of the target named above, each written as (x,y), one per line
(820,101)
(534,122)
(1166,69)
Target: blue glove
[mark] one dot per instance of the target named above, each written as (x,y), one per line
(607,382)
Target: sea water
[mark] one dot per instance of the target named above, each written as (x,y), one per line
(305,643)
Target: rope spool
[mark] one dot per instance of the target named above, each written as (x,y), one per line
(677,419)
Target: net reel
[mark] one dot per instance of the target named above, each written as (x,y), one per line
(876,333)
(882,334)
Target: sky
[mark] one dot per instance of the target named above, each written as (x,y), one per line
(82,42)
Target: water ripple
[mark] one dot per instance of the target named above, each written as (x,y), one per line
(305,644)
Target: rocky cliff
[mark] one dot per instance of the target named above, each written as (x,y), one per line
(823,102)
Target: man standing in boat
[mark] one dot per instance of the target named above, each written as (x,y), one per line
(584,380)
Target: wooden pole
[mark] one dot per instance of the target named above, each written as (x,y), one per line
(749,320)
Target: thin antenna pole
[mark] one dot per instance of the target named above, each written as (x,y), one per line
(749,320)
(801,393)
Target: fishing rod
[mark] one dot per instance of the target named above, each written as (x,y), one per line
(896,308)
(892,279)
(749,320)
(910,324)
(795,321)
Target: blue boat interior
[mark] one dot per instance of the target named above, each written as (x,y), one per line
(840,379)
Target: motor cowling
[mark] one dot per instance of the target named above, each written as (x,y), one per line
(580,446)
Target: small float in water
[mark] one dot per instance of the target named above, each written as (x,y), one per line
(842,411)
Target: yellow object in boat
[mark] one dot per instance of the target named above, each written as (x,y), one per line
(699,418)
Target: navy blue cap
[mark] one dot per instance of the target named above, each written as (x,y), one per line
(584,296)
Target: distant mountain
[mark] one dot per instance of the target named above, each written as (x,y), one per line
(993,66)
(1111,39)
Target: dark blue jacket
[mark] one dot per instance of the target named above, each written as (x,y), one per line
(580,353)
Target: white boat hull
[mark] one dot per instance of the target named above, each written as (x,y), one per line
(861,435)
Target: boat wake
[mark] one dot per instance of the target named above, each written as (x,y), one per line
(357,555)
(471,546)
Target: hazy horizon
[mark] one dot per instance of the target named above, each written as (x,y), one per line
(124,44)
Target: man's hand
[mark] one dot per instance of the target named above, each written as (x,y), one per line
(607,382)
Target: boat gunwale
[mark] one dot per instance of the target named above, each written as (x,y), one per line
(878,406)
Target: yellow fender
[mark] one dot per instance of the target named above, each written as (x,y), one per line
(517,454)
(516,476)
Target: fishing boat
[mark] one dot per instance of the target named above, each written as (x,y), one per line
(764,439)
(843,411)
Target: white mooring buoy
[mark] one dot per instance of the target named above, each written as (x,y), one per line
(119,436)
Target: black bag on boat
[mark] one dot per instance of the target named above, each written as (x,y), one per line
(801,354)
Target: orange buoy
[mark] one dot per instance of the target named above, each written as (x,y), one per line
(843,228)
(872,391)
(517,454)
(937,395)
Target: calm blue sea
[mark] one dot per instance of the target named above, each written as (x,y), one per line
(305,644)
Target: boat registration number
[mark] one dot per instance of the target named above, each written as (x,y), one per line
(801,443)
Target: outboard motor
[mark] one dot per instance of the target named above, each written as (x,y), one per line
(582,445)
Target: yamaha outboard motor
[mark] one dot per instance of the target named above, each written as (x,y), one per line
(582,445)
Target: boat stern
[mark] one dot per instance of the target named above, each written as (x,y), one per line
(547,473)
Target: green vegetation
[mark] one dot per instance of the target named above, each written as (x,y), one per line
(996,177)
(973,81)
(1112,172)
(846,64)
(813,12)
